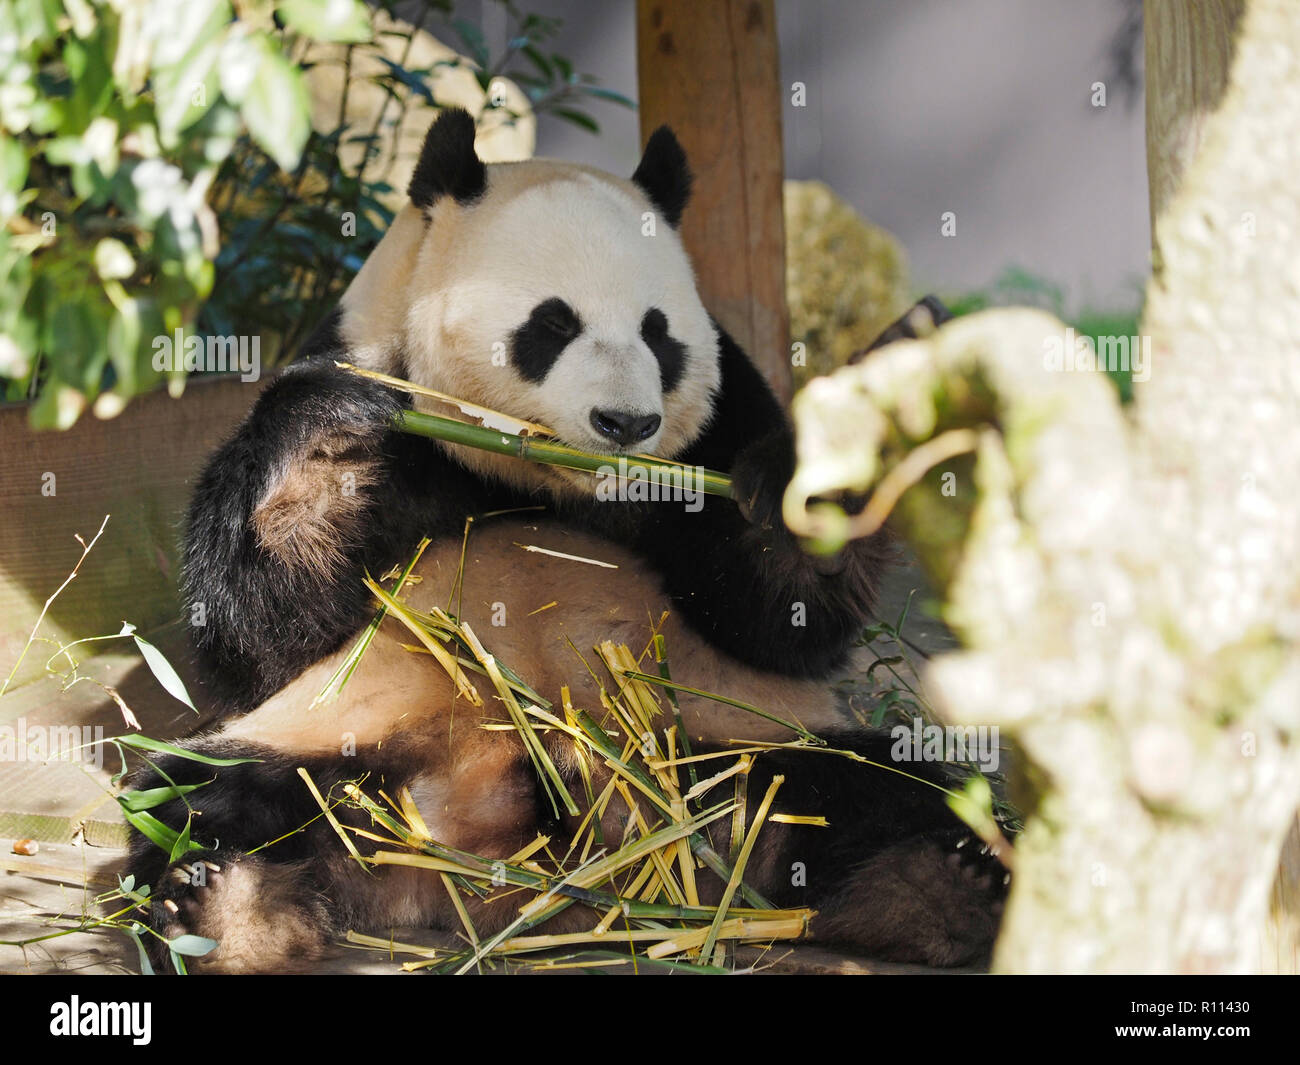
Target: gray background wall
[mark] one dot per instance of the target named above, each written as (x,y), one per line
(916,107)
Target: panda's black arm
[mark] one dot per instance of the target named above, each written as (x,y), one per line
(737,574)
(312,490)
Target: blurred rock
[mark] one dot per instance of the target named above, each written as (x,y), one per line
(846,280)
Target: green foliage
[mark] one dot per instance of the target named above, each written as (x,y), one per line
(549,79)
(159,172)
(887,694)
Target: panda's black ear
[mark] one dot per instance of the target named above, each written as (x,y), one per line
(664,176)
(448,165)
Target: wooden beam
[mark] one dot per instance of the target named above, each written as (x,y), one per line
(1189,46)
(711,71)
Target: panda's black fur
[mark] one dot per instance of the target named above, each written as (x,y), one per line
(279,587)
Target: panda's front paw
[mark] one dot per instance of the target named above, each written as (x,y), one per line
(759,478)
(317,405)
(329,430)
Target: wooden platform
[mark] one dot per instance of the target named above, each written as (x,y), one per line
(50,891)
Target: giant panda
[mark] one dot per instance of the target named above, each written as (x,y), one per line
(562,295)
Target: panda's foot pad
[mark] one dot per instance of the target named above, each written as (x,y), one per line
(260,913)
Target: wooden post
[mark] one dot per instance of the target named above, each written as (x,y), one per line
(710,71)
(1189,47)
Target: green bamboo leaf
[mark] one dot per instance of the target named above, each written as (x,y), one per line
(540,62)
(327,20)
(151,828)
(151,797)
(182,846)
(608,94)
(162,670)
(577,118)
(192,946)
(145,968)
(145,743)
(277,109)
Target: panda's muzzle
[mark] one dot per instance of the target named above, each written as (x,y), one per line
(624,427)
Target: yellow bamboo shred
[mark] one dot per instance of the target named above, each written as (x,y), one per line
(620,716)
(493,419)
(463,686)
(392,946)
(641,701)
(549,964)
(685,860)
(571,719)
(638,883)
(641,692)
(541,759)
(738,869)
(427,861)
(521,944)
(730,752)
(675,894)
(741,798)
(364,834)
(743,765)
(670,742)
(605,867)
(626,722)
(738,928)
(528,851)
(800,819)
(461,912)
(412,814)
(635,721)
(653,886)
(329,816)
(622,770)
(597,810)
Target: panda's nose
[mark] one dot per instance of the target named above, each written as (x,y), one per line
(624,427)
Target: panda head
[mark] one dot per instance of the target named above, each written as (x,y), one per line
(559,294)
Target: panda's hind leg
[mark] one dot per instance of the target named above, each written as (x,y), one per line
(935,900)
(265,916)
(896,876)
(273,884)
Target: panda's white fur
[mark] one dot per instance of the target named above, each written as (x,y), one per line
(315,488)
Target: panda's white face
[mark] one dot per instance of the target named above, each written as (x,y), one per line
(561,296)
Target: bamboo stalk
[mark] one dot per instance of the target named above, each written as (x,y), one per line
(550,453)
(526,440)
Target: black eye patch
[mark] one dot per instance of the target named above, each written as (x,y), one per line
(535,345)
(670,352)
